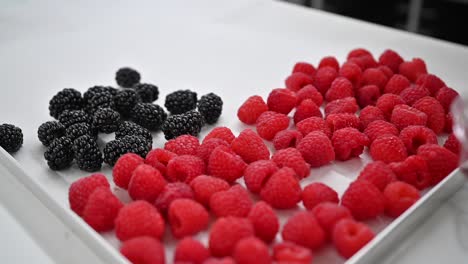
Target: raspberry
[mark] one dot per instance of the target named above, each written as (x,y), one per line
(317,149)
(226,232)
(187,217)
(257,174)
(368,95)
(391,59)
(80,190)
(287,139)
(434,111)
(185,168)
(415,136)
(289,253)
(363,199)
(251,109)
(387,102)
(351,71)
(413,69)
(412,170)
(250,146)
(223,133)
(158,158)
(440,161)
(399,196)
(297,81)
(309,92)
(205,149)
(281,100)
(446,96)
(282,190)
(345,105)
(144,250)
(364,62)
(306,109)
(350,236)
(377,173)
(431,82)
(329,61)
(413,93)
(313,124)
(328,214)
(264,221)
(448,123)
(380,128)
(171,192)
(386,70)
(183,145)
(340,88)
(146,183)
(370,114)
(205,186)
(304,67)
(303,229)
(388,148)
(191,251)
(292,158)
(232,202)
(374,76)
(225,165)
(339,121)
(226,260)
(358,52)
(396,84)
(324,78)
(270,123)
(317,193)
(137,219)
(453,144)
(348,143)
(101,209)
(403,116)
(251,250)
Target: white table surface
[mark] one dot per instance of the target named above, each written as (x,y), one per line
(206,45)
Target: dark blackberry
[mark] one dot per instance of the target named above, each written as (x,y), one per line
(71,117)
(147,92)
(149,115)
(187,123)
(99,100)
(59,154)
(128,144)
(97,90)
(106,120)
(80,129)
(127,77)
(87,155)
(125,100)
(128,128)
(210,107)
(11,138)
(181,101)
(67,99)
(49,131)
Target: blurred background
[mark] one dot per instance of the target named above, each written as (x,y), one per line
(443,19)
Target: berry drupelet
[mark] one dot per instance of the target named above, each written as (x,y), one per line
(127,77)
(187,123)
(71,117)
(210,107)
(67,99)
(181,101)
(11,137)
(80,129)
(128,144)
(149,115)
(106,120)
(49,131)
(128,128)
(59,154)
(125,100)
(147,92)
(87,154)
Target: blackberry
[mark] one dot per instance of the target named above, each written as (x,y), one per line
(99,100)
(147,92)
(71,117)
(128,128)
(125,100)
(87,155)
(11,137)
(49,131)
(210,107)
(97,90)
(187,123)
(181,101)
(67,99)
(106,120)
(149,115)
(127,77)
(80,129)
(59,154)
(128,144)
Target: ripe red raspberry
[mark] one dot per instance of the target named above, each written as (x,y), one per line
(324,78)
(158,159)
(304,67)
(396,84)
(264,221)
(387,102)
(232,202)
(146,183)
(251,250)
(413,170)
(137,219)
(191,251)
(80,190)
(225,165)
(351,71)
(380,128)
(287,139)
(270,123)
(446,96)
(413,93)
(431,82)
(226,260)
(328,214)
(281,100)
(223,133)
(329,61)
(364,62)
(289,253)
(183,145)
(317,193)
(388,148)
(297,80)
(282,190)
(403,116)
(413,69)
(306,109)
(226,232)
(250,146)
(415,136)
(317,149)
(440,161)
(448,123)
(370,114)
(187,217)
(348,143)
(350,236)
(292,158)
(251,109)
(257,174)
(185,168)
(386,70)
(363,199)
(309,92)
(123,168)
(313,124)
(303,229)
(399,196)
(434,111)
(205,186)
(171,192)
(391,59)
(374,76)
(143,250)
(340,88)
(368,95)
(453,144)
(377,173)
(358,52)
(205,149)
(345,105)
(101,209)
(339,121)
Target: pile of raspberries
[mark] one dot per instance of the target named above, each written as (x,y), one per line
(242,185)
